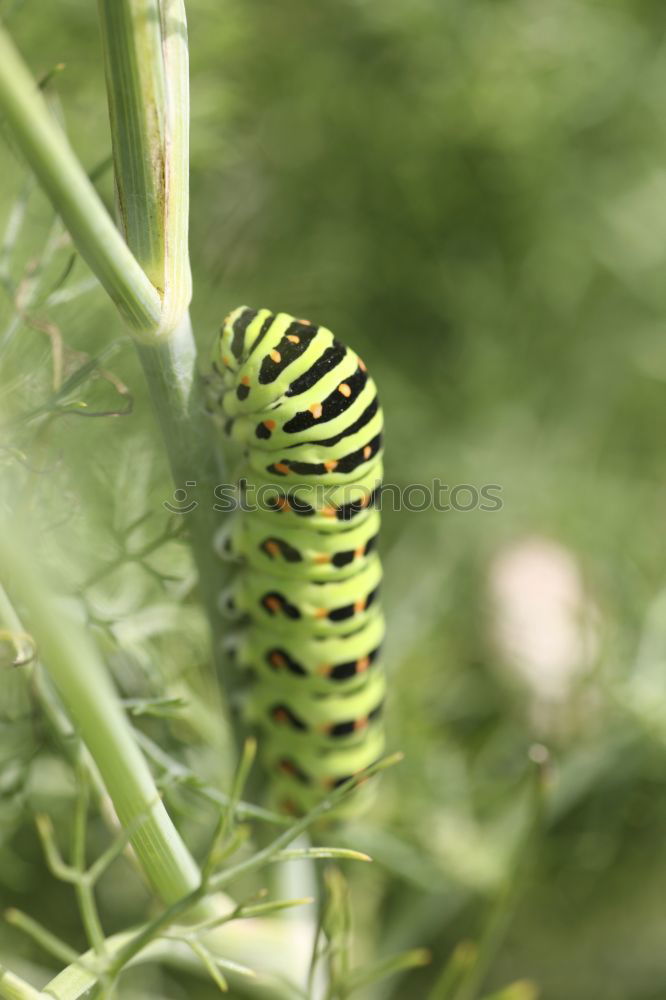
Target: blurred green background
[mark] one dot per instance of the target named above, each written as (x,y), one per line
(473,194)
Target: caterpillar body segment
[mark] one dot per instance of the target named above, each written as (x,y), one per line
(305,412)
(310,554)
(336,721)
(305,606)
(297,788)
(325,504)
(336,663)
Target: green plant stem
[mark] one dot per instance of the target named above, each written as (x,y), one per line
(461,961)
(176,392)
(504,908)
(12,987)
(51,943)
(269,941)
(47,150)
(84,885)
(146,60)
(80,676)
(266,938)
(217,882)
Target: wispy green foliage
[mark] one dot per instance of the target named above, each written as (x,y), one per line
(472,195)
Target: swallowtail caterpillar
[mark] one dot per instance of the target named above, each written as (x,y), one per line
(305,413)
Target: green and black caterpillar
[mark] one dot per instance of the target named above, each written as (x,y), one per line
(306,413)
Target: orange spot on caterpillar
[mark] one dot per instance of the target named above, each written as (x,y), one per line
(293,339)
(286,767)
(330,464)
(272,548)
(324,669)
(275,356)
(362,365)
(360,605)
(360,723)
(225,360)
(282,468)
(270,425)
(367,451)
(272,603)
(316,410)
(245,380)
(344,389)
(328,511)
(362,664)
(321,613)
(278,660)
(322,558)
(282,503)
(279,715)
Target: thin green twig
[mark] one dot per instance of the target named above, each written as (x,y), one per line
(47,150)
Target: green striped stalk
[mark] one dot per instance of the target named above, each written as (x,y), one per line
(74,663)
(45,147)
(12,987)
(146,60)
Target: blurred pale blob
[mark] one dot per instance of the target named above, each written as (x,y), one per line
(544,625)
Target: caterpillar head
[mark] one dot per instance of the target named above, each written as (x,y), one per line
(228,350)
